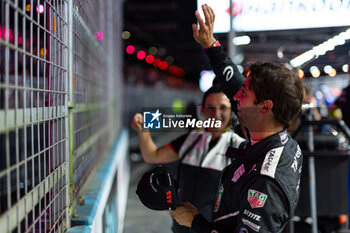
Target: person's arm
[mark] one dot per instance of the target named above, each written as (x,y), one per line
(263,207)
(226,71)
(150,152)
(187,215)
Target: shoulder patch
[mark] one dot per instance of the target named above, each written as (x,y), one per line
(283,137)
(296,159)
(256,199)
(228,73)
(271,161)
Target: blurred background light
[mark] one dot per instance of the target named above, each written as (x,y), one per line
(336,91)
(241,40)
(39,8)
(327,69)
(321,49)
(156,62)
(161,52)
(130,49)
(240,68)
(178,106)
(163,65)
(239,58)
(98,35)
(141,54)
(149,59)
(319,95)
(43,52)
(206,80)
(301,73)
(169,60)
(315,72)
(332,73)
(126,35)
(153,50)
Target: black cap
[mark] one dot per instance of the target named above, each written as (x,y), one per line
(157,189)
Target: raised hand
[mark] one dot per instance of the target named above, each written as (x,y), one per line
(136,122)
(204,34)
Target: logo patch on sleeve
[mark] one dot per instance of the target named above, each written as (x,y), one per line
(253,226)
(296,159)
(238,173)
(283,137)
(256,199)
(271,161)
(228,72)
(218,198)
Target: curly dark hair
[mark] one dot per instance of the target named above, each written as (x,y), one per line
(281,85)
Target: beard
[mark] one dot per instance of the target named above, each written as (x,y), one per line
(248,117)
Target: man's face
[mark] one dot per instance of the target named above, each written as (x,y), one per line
(247,110)
(218,106)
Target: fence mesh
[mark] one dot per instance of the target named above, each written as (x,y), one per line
(55,112)
(33,92)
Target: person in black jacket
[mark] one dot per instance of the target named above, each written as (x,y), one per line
(200,153)
(259,191)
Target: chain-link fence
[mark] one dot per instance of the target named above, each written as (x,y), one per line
(59,111)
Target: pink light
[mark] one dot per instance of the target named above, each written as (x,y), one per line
(40,8)
(130,49)
(176,70)
(141,54)
(163,65)
(172,69)
(336,91)
(20,40)
(149,59)
(10,34)
(156,62)
(7,35)
(98,35)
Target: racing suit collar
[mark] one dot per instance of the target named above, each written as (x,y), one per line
(259,149)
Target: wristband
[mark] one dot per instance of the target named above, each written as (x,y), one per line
(215,44)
